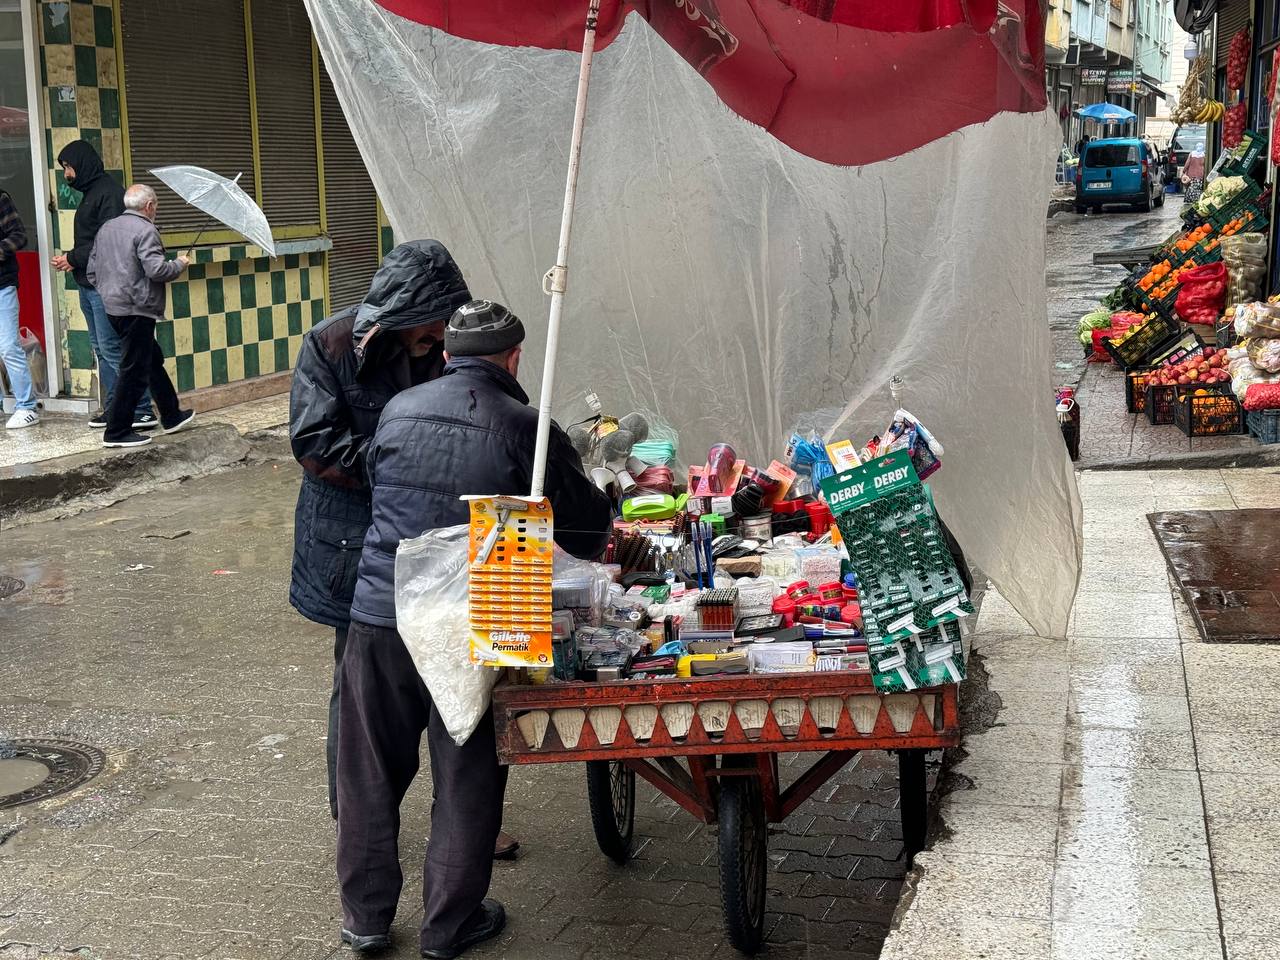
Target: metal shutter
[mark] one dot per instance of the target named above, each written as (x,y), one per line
(186,81)
(286,112)
(351,205)
(1232,15)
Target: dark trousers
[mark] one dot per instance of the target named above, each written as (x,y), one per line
(385,707)
(141,366)
(331,742)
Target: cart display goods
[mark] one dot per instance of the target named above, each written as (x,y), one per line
(728,731)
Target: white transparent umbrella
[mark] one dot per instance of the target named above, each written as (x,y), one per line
(222,199)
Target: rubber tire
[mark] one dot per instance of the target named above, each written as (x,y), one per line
(1145,205)
(613,837)
(1081,208)
(1160,198)
(744,861)
(913,791)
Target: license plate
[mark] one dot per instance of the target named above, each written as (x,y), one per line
(1098,186)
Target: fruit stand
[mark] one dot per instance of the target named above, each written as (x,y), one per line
(729,732)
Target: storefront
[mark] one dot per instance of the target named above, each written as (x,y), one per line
(236,86)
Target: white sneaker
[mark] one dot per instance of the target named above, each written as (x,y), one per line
(22,418)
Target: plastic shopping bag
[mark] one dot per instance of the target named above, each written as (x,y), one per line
(432,593)
(30,344)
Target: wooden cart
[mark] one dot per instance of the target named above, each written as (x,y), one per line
(729,732)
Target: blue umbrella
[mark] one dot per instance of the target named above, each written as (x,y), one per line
(1106,113)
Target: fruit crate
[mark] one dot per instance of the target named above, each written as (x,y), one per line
(1159,403)
(1240,159)
(1208,411)
(1135,387)
(1158,330)
(1179,350)
(1264,425)
(1247,199)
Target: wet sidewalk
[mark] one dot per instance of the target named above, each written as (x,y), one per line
(1123,804)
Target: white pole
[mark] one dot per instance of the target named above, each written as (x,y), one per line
(557,277)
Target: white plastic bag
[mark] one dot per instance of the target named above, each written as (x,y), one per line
(432,592)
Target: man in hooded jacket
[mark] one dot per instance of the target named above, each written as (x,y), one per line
(348,367)
(102,200)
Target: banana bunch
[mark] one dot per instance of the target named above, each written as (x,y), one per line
(1210,112)
(1191,101)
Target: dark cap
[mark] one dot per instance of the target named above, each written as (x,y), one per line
(482,328)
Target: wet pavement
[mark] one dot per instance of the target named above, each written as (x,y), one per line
(1227,564)
(1074,285)
(1122,806)
(159,631)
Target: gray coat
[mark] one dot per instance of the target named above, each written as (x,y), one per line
(128,267)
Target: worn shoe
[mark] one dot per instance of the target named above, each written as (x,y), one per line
(22,418)
(98,421)
(367,944)
(128,440)
(486,923)
(505,847)
(185,419)
(148,421)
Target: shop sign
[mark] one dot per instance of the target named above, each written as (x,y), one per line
(1093,76)
(1121,83)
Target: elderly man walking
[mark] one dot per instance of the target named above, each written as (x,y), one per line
(129,270)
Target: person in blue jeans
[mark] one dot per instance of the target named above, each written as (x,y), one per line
(13,237)
(102,200)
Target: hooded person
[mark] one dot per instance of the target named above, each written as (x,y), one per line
(348,368)
(102,199)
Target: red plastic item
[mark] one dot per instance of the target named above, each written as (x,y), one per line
(1203,293)
(852,613)
(798,589)
(786,607)
(819,517)
(1262,396)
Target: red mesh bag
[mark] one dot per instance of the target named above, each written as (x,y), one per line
(1203,293)
(1262,396)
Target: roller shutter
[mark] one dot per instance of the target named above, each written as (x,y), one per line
(187,95)
(351,205)
(1232,15)
(286,112)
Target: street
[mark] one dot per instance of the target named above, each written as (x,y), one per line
(159,631)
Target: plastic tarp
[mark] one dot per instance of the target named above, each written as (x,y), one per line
(735,287)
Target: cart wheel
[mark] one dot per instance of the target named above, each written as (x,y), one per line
(913,790)
(611,791)
(744,864)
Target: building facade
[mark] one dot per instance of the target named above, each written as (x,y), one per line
(236,86)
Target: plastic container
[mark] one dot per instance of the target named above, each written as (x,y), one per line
(1264,425)
(819,517)
(1208,411)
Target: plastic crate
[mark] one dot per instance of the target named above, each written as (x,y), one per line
(1159,405)
(1207,411)
(1179,350)
(1264,425)
(1158,330)
(1247,198)
(1135,387)
(1241,158)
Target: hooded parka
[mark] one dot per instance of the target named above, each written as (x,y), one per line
(102,200)
(347,370)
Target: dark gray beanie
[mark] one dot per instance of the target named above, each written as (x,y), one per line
(482,328)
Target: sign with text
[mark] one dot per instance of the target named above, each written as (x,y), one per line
(853,488)
(1093,76)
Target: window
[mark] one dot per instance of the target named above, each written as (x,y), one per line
(187,95)
(1111,155)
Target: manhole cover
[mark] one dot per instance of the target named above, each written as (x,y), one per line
(33,770)
(9,586)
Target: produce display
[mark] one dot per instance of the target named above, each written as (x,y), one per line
(1203,293)
(1238,58)
(1245,255)
(1207,368)
(1219,193)
(1193,237)
(1192,101)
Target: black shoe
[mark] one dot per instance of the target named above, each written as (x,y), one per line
(487,923)
(128,440)
(367,944)
(148,421)
(98,421)
(185,419)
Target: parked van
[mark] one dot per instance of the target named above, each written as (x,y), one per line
(1120,170)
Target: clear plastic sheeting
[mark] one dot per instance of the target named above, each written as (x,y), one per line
(732,286)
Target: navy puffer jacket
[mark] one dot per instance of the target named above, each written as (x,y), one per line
(341,382)
(470,432)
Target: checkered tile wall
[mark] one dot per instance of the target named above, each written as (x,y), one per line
(236,314)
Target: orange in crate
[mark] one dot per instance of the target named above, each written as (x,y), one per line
(510,552)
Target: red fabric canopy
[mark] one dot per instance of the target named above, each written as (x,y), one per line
(844,81)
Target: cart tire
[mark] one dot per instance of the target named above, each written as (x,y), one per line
(744,861)
(611,791)
(913,790)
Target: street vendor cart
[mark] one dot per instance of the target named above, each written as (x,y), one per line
(729,732)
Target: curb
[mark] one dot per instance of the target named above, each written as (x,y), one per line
(1268,456)
(29,488)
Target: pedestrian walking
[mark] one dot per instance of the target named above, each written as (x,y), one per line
(102,200)
(470,431)
(129,270)
(347,370)
(13,237)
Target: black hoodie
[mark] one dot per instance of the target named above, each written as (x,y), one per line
(103,200)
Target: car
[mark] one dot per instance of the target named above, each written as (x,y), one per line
(1185,139)
(1120,170)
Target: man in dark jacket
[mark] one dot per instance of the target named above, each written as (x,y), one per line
(102,200)
(470,432)
(349,366)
